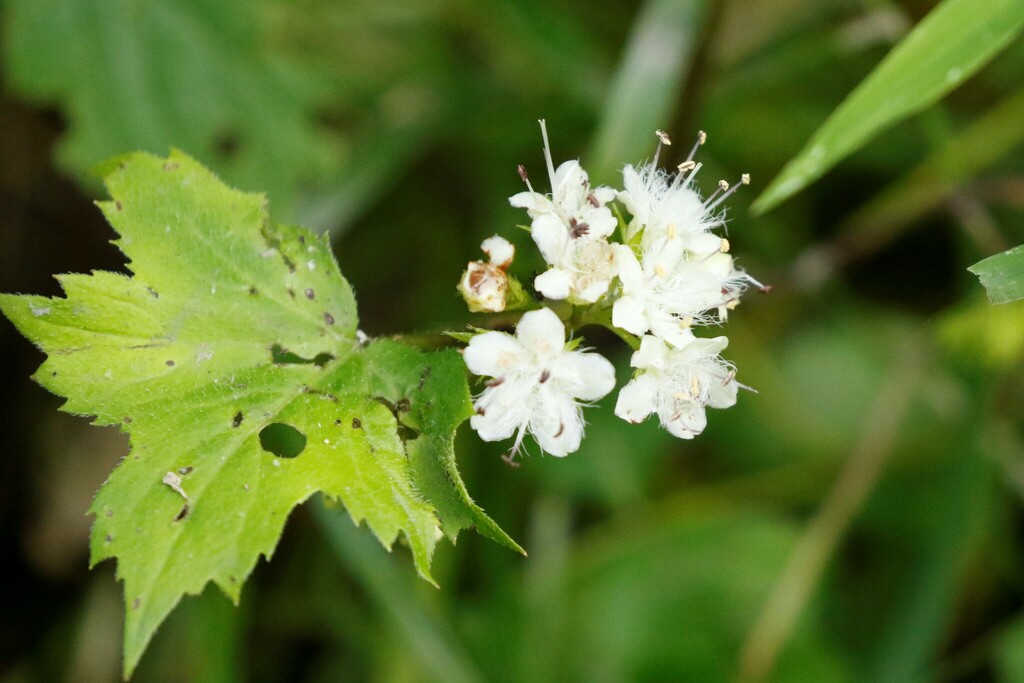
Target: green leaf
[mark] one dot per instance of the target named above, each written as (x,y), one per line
(296,98)
(949,45)
(1002,275)
(231,359)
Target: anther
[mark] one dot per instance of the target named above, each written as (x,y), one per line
(725,246)
(524,176)
(578,229)
(593,201)
(744,180)
(722,185)
(663,136)
(545,376)
(671,231)
(686,166)
(659,270)
(694,387)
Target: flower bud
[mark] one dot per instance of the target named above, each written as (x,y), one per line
(484,286)
(500,251)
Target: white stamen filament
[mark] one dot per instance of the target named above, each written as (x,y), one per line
(744,180)
(702,137)
(547,153)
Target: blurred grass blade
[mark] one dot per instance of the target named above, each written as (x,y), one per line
(647,83)
(1002,275)
(429,637)
(950,44)
(963,156)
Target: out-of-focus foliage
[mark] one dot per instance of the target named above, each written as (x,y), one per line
(873,486)
(1002,275)
(952,43)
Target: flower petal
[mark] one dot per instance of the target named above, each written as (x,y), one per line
(551,236)
(500,251)
(630,272)
(652,353)
(722,395)
(687,423)
(588,376)
(554,284)
(637,399)
(628,313)
(541,332)
(493,354)
(531,201)
(558,426)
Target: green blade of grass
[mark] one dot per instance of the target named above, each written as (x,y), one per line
(1002,275)
(948,46)
(646,85)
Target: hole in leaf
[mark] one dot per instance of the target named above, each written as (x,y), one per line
(282,356)
(282,440)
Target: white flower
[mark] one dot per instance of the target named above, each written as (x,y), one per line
(677,384)
(667,208)
(571,227)
(667,290)
(537,384)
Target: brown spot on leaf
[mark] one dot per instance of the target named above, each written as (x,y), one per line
(182,514)
(170,166)
(310,294)
(237,419)
(170,363)
(135,603)
(357,423)
(328,318)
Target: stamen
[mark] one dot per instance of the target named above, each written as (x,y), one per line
(692,166)
(525,177)
(702,137)
(547,154)
(722,186)
(694,386)
(725,246)
(744,180)
(577,230)
(659,270)
(663,138)
(671,231)
(594,201)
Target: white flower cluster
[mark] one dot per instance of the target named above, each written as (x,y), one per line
(669,272)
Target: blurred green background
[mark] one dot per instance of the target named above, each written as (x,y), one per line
(859,519)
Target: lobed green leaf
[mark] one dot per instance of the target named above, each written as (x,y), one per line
(231,335)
